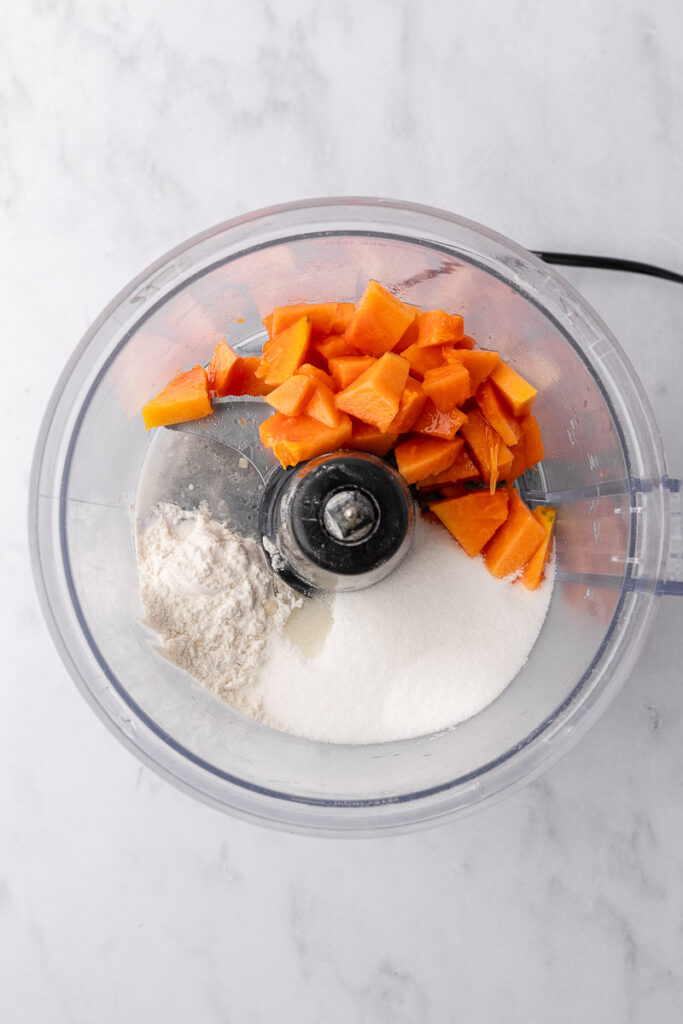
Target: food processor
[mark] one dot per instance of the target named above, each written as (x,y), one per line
(97,472)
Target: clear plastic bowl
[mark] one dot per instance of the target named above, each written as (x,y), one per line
(604,469)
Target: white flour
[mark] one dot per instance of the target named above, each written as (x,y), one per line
(428,647)
(210,596)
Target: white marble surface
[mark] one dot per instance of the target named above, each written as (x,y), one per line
(126,127)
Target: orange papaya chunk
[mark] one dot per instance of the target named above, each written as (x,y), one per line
(435,423)
(423,359)
(284,353)
(185,398)
(318,375)
(497,413)
(223,369)
(366,438)
(479,363)
(447,386)
(519,464)
(462,469)
(515,542)
(321,315)
(322,406)
(247,382)
(465,342)
(411,405)
(409,336)
(268,324)
(438,328)
(517,392)
(345,369)
(295,439)
(533,572)
(342,317)
(378,322)
(491,455)
(532,439)
(374,397)
(419,457)
(474,518)
(292,397)
(332,346)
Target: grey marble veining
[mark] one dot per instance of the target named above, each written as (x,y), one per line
(125,128)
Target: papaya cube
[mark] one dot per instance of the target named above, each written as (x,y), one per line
(222,371)
(284,353)
(322,407)
(345,369)
(438,328)
(491,455)
(423,359)
(295,439)
(447,386)
(435,423)
(185,398)
(374,397)
(411,405)
(333,345)
(474,518)
(366,438)
(247,381)
(533,572)
(479,363)
(379,321)
(532,439)
(497,413)
(515,542)
(292,397)
(517,392)
(321,314)
(319,376)
(420,457)
(342,317)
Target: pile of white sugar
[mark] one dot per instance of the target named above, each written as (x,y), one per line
(426,648)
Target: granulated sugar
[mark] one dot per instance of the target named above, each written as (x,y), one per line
(428,647)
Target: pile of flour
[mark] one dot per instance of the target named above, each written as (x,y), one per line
(209,595)
(426,648)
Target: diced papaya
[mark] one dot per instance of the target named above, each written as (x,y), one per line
(409,336)
(246,380)
(268,324)
(222,370)
(497,413)
(517,392)
(491,455)
(379,321)
(474,518)
(447,386)
(465,342)
(366,438)
(462,469)
(185,398)
(284,353)
(411,405)
(423,359)
(438,328)
(321,314)
(298,438)
(322,407)
(292,397)
(435,423)
(318,375)
(533,572)
(420,457)
(345,369)
(343,315)
(515,542)
(375,395)
(332,346)
(479,363)
(519,464)
(532,439)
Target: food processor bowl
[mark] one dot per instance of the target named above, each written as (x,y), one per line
(96,471)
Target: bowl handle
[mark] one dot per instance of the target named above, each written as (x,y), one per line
(671,583)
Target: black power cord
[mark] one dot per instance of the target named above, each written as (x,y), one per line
(571,259)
